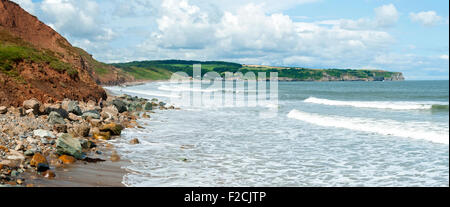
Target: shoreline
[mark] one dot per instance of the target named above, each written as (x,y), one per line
(44,130)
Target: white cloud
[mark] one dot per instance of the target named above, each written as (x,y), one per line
(251,35)
(386,15)
(28,5)
(426,18)
(244,31)
(78,19)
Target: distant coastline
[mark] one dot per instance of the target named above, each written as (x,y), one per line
(163,69)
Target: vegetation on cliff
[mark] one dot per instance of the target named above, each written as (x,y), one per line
(37,62)
(161,69)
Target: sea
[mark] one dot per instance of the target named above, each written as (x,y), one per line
(314,134)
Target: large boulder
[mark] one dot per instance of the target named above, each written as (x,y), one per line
(120,105)
(67,145)
(48,108)
(93,114)
(32,104)
(113,128)
(56,118)
(72,107)
(80,130)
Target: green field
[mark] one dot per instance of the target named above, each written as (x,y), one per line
(162,69)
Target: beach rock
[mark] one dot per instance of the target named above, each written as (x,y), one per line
(95,122)
(42,167)
(68,145)
(15,155)
(19,111)
(102,135)
(55,118)
(37,159)
(87,144)
(55,108)
(154,100)
(162,104)
(145,116)
(29,153)
(134,141)
(3,109)
(30,112)
(80,130)
(49,174)
(32,104)
(74,117)
(113,128)
(60,128)
(148,106)
(43,133)
(93,114)
(135,106)
(115,157)
(72,107)
(111,111)
(91,103)
(9,163)
(66,159)
(120,105)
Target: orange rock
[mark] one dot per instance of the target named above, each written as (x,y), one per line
(1,166)
(66,159)
(113,128)
(102,135)
(38,158)
(4,148)
(115,157)
(30,185)
(49,174)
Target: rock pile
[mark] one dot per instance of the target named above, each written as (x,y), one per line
(37,138)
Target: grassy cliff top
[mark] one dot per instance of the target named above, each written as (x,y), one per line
(161,69)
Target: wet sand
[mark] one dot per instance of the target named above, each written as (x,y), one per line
(81,174)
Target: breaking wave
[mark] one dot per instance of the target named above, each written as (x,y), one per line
(396,105)
(415,130)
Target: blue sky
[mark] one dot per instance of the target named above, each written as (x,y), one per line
(398,35)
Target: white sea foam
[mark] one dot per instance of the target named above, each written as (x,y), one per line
(145,93)
(415,130)
(396,105)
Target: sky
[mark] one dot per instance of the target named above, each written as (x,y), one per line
(409,36)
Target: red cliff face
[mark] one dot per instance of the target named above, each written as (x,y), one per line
(25,78)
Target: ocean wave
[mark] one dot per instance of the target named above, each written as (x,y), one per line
(145,93)
(415,130)
(396,105)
